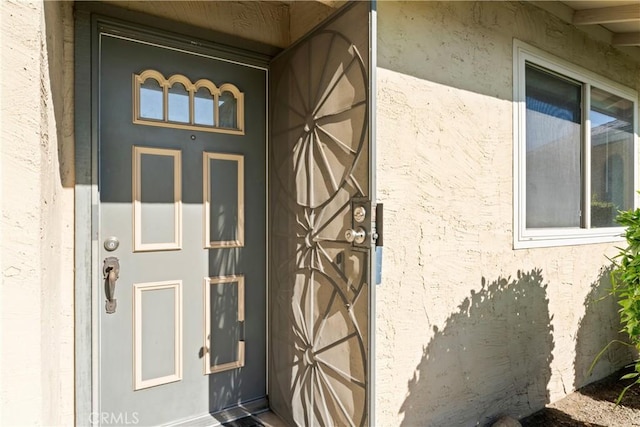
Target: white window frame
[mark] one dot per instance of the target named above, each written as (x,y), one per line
(524,237)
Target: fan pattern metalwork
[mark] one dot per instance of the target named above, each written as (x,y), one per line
(319,295)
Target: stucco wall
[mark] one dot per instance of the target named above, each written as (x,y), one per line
(469,328)
(304,15)
(36,226)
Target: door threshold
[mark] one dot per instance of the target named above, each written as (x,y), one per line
(228,417)
(270,419)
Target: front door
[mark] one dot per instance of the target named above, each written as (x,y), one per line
(182,192)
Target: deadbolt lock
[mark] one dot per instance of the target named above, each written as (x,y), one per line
(111,243)
(359,214)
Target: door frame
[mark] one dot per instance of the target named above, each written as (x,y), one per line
(92,19)
(89,18)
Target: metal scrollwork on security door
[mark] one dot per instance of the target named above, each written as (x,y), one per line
(320,155)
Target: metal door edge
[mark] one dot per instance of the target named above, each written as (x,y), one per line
(373,61)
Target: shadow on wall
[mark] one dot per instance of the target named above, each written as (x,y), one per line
(599,326)
(57,26)
(492,358)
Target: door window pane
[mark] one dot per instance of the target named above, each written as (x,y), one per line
(228,106)
(611,157)
(178,103)
(553,171)
(151,100)
(203,107)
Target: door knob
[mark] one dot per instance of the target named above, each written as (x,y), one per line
(358,235)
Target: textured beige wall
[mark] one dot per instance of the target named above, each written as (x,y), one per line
(36,226)
(469,328)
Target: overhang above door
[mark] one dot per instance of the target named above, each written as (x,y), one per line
(275,23)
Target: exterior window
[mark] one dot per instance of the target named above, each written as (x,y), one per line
(575,138)
(612,135)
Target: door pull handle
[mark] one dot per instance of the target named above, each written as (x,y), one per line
(111,272)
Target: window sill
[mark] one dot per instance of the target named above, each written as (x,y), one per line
(544,239)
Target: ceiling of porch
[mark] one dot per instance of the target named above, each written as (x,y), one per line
(621,18)
(275,22)
(281,22)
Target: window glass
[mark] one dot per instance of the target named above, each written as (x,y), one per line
(611,157)
(178,103)
(228,108)
(151,100)
(553,171)
(575,141)
(203,107)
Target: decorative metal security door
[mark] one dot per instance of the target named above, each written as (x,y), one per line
(322,226)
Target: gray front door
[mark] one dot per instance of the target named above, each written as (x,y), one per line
(182,192)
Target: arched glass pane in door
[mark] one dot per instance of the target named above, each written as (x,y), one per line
(203,107)
(151,100)
(178,103)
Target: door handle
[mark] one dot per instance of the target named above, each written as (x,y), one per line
(111,272)
(358,235)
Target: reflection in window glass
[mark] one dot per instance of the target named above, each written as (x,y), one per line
(611,157)
(178,103)
(203,106)
(151,100)
(227,105)
(553,162)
